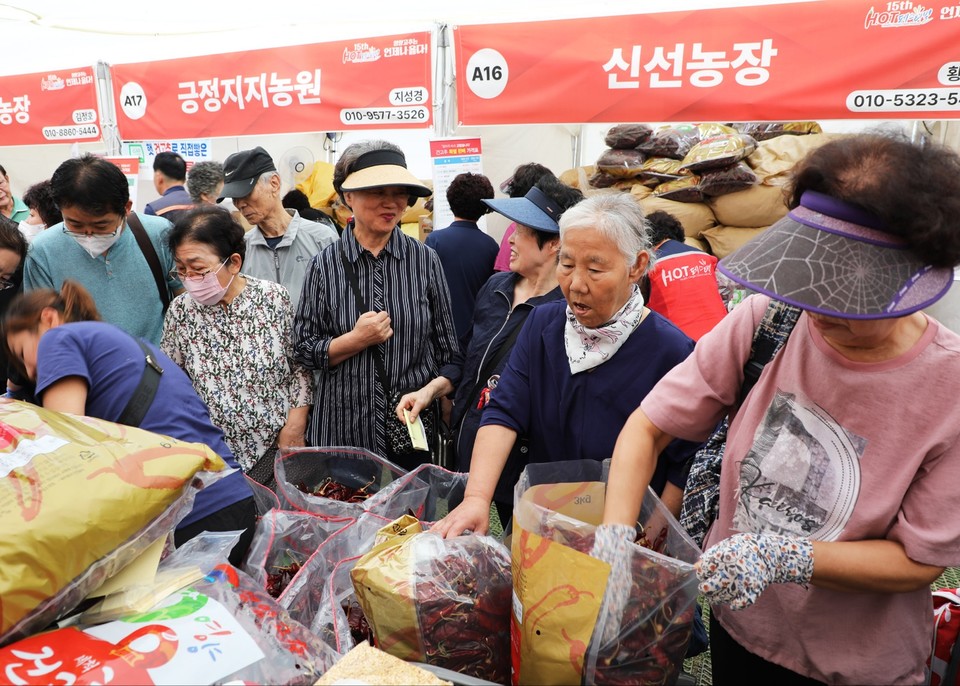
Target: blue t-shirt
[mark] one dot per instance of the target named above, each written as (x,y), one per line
(111,362)
(120,281)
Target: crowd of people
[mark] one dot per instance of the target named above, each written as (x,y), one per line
(591,331)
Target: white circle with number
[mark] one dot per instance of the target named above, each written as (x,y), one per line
(133,101)
(487,73)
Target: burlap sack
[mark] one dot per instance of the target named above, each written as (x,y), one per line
(697,243)
(775,158)
(724,240)
(754,207)
(696,217)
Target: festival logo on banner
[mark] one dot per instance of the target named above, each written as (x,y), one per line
(833,59)
(49,107)
(373,83)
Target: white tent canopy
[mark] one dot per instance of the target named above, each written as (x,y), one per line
(51,34)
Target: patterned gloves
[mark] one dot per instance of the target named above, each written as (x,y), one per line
(611,544)
(737,569)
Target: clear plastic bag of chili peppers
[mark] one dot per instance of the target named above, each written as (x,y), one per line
(444,602)
(264,498)
(428,493)
(332,482)
(557,506)
(321,595)
(282,542)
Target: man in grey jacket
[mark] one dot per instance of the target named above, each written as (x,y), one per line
(281,243)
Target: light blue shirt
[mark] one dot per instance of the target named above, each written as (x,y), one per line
(120,280)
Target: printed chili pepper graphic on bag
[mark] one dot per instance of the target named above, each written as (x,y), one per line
(560,606)
(192,638)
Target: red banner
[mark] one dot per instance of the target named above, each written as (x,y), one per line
(49,107)
(833,59)
(372,83)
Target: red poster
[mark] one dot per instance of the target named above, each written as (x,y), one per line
(832,59)
(49,107)
(371,83)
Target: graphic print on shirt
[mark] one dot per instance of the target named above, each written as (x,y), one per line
(801,477)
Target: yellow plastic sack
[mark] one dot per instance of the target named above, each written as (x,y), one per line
(318,187)
(79,499)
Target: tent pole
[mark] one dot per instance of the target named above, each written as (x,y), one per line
(443,122)
(108,109)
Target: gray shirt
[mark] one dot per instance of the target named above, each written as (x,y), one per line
(287,264)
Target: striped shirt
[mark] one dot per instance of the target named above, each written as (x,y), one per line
(415,295)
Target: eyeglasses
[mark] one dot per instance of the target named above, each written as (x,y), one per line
(191,275)
(6,284)
(96,232)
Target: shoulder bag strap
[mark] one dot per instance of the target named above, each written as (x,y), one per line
(150,253)
(362,307)
(505,347)
(146,390)
(771,334)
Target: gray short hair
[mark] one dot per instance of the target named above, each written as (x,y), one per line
(615,215)
(204,177)
(264,178)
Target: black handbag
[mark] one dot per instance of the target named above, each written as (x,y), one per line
(397,435)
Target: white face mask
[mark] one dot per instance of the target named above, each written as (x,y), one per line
(97,245)
(30,231)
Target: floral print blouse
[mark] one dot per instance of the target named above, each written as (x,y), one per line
(240,360)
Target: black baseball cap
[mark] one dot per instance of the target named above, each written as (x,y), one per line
(241,171)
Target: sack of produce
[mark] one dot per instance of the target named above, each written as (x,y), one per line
(562,617)
(724,240)
(718,152)
(675,141)
(445,602)
(696,217)
(684,189)
(626,136)
(282,542)
(66,506)
(657,170)
(321,596)
(601,179)
(764,130)
(732,179)
(220,629)
(754,207)
(623,164)
(332,482)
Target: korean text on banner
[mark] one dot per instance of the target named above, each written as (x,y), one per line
(360,84)
(451,157)
(833,59)
(49,107)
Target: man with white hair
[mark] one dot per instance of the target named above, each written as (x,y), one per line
(281,244)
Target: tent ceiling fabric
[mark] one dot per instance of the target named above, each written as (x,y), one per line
(52,34)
